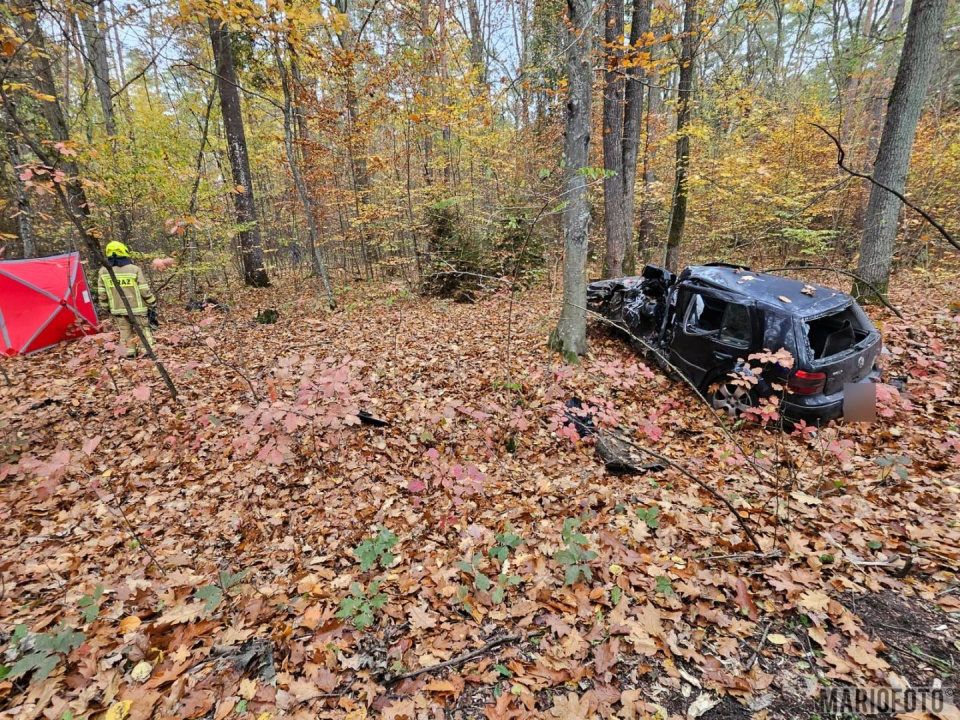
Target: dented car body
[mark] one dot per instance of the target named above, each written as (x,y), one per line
(708,320)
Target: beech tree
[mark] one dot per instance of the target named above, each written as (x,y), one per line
(570,335)
(622,110)
(921,50)
(251,249)
(685,86)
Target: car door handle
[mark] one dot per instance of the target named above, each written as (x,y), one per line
(722,355)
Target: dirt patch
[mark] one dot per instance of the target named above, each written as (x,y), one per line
(921,640)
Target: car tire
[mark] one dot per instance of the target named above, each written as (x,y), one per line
(732,400)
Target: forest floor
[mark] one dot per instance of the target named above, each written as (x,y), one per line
(189,559)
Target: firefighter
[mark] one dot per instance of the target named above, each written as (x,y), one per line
(134,285)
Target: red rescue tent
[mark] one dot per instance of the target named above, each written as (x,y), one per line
(43,301)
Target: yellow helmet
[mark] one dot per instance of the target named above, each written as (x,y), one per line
(117,249)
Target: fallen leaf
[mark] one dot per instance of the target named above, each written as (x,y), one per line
(745,601)
(814,600)
(141,671)
(129,624)
(248,688)
(118,711)
(702,704)
(784,298)
(420,618)
(777,639)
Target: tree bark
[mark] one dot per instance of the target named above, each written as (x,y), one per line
(632,115)
(614,212)
(478,48)
(678,213)
(93,26)
(645,233)
(250,244)
(24,212)
(570,335)
(921,51)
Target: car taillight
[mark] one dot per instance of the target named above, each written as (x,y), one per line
(807,383)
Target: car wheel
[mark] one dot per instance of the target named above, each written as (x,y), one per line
(733,400)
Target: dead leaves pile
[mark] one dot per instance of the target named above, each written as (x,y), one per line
(116,485)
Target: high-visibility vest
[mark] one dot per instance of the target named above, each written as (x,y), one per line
(132,283)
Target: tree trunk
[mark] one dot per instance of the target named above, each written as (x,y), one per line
(645,233)
(250,244)
(632,114)
(614,216)
(93,26)
(678,213)
(316,262)
(478,51)
(24,213)
(921,50)
(881,89)
(570,335)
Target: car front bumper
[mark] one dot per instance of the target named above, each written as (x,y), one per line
(819,408)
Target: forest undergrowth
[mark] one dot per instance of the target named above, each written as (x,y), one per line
(260,549)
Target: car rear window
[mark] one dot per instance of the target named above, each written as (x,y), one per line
(835,333)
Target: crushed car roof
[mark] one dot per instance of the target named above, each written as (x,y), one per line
(804,298)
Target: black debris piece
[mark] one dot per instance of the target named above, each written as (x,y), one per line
(581,417)
(368,419)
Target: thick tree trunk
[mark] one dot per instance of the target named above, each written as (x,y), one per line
(614,211)
(921,50)
(250,244)
(678,213)
(883,82)
(570,335)
(632,115)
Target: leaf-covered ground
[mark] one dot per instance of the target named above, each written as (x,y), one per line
(255,551)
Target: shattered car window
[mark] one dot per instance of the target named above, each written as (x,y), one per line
(736,326)
(705,315)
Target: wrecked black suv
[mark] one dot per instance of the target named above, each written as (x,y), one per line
(708,319)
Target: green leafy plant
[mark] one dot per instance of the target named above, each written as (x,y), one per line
(664,585)
(90,604)
(651,516)
(576,556)
(39,653)
(213,594)
(506,543)
(893,464)
(376,549)
(361,605)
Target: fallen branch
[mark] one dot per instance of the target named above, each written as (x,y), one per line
(690,476)
(756,655)
(459,660)
(744,556)
(841,154)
